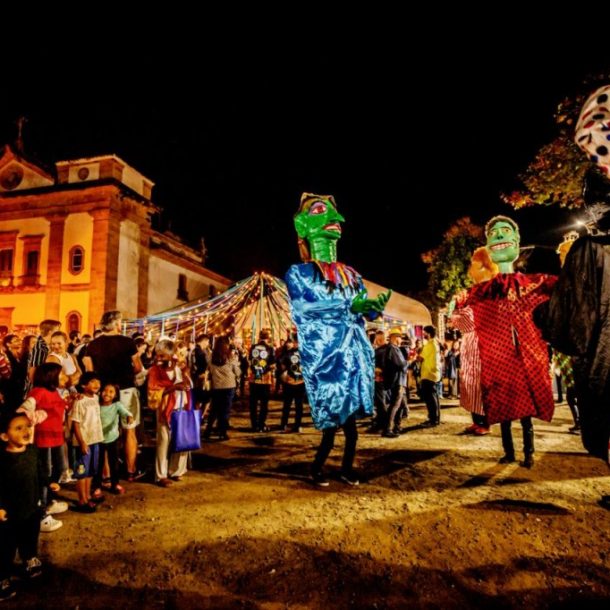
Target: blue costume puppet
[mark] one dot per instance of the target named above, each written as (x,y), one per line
(329,303)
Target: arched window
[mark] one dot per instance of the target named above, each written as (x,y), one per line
(76,259)
(73,321)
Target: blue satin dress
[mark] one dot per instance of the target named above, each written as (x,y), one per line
(337,358)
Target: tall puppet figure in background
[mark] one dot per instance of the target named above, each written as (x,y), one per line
(482,269)
(329,303)
(577,320)
(515,379)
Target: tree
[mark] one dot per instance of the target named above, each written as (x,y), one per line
(448,263)
(556,174)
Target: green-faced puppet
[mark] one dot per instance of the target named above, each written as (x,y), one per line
(318,225)
(503,239)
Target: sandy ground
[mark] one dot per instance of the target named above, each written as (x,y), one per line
(437,523)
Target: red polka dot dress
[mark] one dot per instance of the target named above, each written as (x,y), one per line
(515,379)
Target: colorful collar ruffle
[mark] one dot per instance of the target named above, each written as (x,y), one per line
(338,275)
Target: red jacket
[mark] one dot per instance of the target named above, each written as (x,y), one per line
(50,432)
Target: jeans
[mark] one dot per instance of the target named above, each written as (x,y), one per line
(52,463)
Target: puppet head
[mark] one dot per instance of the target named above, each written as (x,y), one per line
(317,223)
(503,239)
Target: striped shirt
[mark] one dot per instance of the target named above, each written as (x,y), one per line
(38,356)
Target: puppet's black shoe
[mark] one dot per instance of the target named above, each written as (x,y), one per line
(528,462)
(507,459)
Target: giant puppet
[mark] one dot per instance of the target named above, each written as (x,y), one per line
(515,380)
(481,269)
(329,303)
(577,319)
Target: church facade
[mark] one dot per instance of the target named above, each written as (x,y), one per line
(77,240)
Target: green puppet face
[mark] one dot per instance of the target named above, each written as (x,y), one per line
(318,218)
(503,244)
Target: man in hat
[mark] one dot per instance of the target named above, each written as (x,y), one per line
(394,380)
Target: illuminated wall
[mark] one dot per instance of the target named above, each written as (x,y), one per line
(129,260)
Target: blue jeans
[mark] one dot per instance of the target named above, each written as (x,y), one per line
(52,463)
(220,409)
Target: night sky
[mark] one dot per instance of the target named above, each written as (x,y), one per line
(406,144)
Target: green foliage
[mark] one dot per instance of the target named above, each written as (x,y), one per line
(449,262)
(555,176)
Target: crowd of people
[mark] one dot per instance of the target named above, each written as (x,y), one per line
(71,407)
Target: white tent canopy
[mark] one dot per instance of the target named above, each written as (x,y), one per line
(260,301)
(401,307)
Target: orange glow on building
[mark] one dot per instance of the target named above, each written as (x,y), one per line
(77,241)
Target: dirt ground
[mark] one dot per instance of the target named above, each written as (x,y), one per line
(437,523)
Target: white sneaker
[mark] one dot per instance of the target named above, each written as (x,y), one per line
(49,524)
(66,478)
(57,507)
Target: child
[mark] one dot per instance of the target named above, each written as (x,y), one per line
(110,410)
(49,435)
(86,439)
(21,478)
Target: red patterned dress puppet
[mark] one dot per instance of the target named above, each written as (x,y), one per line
(515,378)
(482,268)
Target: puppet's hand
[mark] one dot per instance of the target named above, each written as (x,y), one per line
(365,306)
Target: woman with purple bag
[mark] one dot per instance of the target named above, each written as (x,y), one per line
(168,391)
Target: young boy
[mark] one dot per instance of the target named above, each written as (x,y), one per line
(87,435)
(20,511)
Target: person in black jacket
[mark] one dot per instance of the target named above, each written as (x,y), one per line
(394,381)
(576,320)
(262,372)
(21,481)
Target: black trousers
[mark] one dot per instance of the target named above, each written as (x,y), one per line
(429,395)
(18,535)
(528,437)
(296,392)
(380,405)
(259,392)
(328,442)
(571,398)
(559,388)
(220,410)
(112,451)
